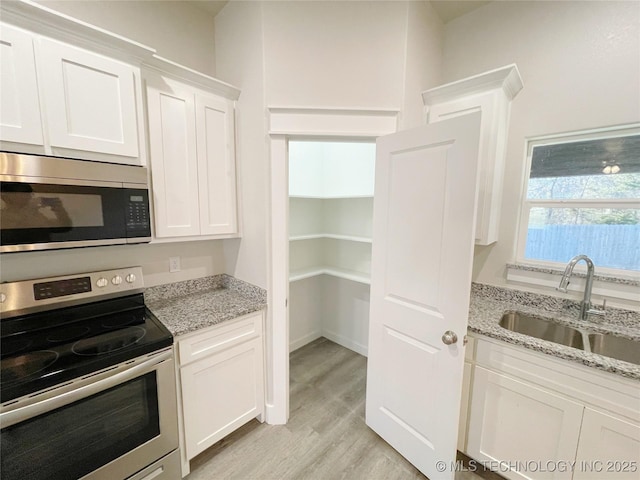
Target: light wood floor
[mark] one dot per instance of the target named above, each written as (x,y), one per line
(326,437)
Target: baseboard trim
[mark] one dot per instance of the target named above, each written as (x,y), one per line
(301,342)
(345,342)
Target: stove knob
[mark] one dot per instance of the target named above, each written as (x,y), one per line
(130,278)
(102,282)
(117,280)
(3,297)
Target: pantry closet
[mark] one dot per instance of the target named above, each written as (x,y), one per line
(330,215)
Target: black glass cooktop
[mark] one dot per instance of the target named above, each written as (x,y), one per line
(42,350)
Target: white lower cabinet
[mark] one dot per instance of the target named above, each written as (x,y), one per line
(532,416)
(467,375)
(515,422)
(609,446)
(221,376)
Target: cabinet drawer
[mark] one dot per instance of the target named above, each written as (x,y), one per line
(219,337)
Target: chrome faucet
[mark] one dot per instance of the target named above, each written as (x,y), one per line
(585,305)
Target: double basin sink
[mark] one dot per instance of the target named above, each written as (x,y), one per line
(607,345)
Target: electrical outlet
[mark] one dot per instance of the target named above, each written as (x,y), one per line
(174,264)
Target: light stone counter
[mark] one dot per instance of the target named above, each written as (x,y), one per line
(488,303)
(184,307)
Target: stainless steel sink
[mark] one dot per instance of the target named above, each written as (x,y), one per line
(615,347)
(542,328)
(607,345)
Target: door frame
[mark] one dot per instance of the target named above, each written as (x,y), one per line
(286,124)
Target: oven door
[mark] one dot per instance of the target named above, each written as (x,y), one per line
(108,426)
(70,213)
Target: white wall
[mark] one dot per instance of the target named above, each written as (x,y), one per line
(307,310)
(198,259)
(331,169)
(334,54)
(580,63)
(423,64)
(177,30)
(358,55)
(240,61)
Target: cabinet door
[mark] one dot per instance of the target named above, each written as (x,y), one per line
(174,164)
(494,110)
(216,165)
(20,120)
(609,448)
(515,423)
(220,393)
(90,101)
(464,407)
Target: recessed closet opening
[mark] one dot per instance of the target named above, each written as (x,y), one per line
(331,186)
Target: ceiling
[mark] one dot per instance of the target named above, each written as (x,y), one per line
(211,6)
(446,9)
(450,9)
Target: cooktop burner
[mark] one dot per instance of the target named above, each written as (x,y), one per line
(119,321)
(20,367)
(43,349)
(15,346)
(68,334)
(109,342)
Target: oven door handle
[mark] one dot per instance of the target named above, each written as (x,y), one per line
(20,414)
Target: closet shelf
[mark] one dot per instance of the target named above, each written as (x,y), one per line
(352,275)
(351,238)
(337,197)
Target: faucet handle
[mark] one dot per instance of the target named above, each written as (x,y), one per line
(600,312)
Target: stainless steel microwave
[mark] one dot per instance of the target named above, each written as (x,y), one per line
(51,203)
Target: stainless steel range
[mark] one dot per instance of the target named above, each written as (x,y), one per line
(87,381)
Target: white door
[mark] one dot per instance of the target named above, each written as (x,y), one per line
(19,106)
(423,237)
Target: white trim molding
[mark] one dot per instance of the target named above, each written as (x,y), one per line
(507,78)
(284,124)
(46,21)
(319,122)
(165,66)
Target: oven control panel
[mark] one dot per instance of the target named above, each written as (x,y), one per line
(61,288)
(17,298)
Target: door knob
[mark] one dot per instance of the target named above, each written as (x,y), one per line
(449,337)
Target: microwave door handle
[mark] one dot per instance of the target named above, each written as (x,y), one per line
(29,411)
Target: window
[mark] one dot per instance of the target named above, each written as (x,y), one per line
(583,197)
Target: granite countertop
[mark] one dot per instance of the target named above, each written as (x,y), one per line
(488,303)
(184,307)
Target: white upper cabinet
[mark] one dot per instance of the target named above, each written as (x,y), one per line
(90,100)
(19,106)
(192,152)
(490,93)
(69,89)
